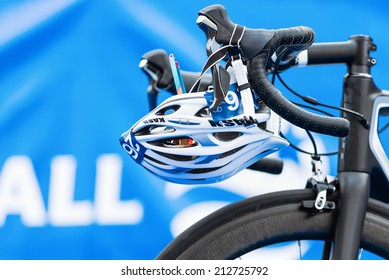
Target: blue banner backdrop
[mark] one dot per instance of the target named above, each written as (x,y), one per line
(70,85)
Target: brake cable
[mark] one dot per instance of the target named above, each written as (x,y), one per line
(308,100)
(315,102)
(383,128)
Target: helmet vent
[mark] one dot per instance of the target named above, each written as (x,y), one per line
(231,152)
(154,160)
(176,157)
(179,142)
(153,130)
(168,110)
(203,113)
(227,136)
(203,170)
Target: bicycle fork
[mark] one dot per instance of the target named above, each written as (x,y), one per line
(353,198)
(353,189)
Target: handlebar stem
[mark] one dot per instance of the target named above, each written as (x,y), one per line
(355,53)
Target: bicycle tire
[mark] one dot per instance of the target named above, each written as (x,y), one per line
(270,219)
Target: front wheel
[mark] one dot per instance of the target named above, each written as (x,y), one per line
(269,219)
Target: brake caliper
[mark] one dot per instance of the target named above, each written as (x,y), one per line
(323,185)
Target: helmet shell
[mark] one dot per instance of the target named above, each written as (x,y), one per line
(180,142)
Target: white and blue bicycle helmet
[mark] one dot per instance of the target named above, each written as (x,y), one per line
(180,142)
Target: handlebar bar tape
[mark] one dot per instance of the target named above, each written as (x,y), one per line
(279,104)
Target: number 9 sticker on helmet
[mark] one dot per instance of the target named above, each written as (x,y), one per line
(230,106)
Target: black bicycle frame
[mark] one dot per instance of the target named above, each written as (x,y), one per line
(359,172)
